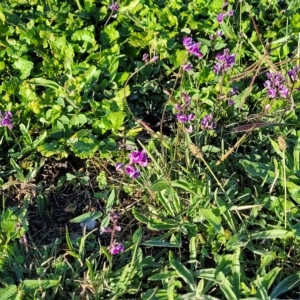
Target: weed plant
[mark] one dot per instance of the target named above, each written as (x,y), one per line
(150,149)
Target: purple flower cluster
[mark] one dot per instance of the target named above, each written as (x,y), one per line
(6,119)
(114,248)
(187,67)
(234,91)
(114,6)
(221,16)
(192,47)
(293,74)
(208,122)
(219,33)
(181,115)
(135,157)
(275,86)
(146,58)
(225,62)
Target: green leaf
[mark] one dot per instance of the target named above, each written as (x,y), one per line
(213,217)
(139,216)
(157,243)
(87,217)
(102,180)
(129,8)
(26,136)
(109,35)
(33,285)
(24,66)
(8,292)
(78,120)
(183,272)
(83,35)
(225,286)
(269,278)
(117,120)
(20,176)
(160,185)
(285,285)
(259,170)
(51,149)
(272,234)
(84,147)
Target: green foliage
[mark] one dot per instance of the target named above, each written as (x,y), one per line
(214,215)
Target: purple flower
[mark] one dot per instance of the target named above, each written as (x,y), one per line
(184,118)
(283,91)
(233,91)
(231,102)
(114,6)
(187,42)
(195,50)
(116,248)
(293,73)
(139,157)
(220,18)
(187,67)
(145,57)
(106,229)
(119,167)
(275,85)
(230,13)
(272,93)
(114,216)
(192,47)
(154,58)
(207,122)
(187,99)
(225,62)
(189,130)
(132,172)
(6,119)
(219,33)
(187,102)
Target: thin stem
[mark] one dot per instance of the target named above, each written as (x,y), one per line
(285,190)
(17,141)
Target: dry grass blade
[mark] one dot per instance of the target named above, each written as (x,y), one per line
(195,150)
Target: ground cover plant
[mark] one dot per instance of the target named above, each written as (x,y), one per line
(150,149)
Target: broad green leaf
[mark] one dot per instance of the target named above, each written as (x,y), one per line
(285,285)
(272,234)
(83,147)
(129,8)
(24,66)
(226,287)
(20,176)
(162,275)
(183,272)
(84,35)
(269,278)
(32,285)
(109,35)
(160,186)
(166,224)
(236,272)
(8,292)
(139,216)
(51,149)
(26,135)
(259,170)
(87,217)
(213,217)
